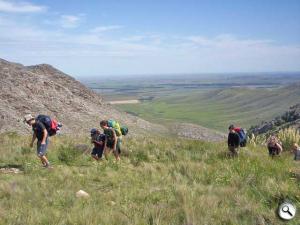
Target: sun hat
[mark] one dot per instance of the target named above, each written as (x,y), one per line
(27,118)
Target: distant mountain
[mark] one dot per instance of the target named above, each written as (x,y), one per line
(290,118)
(42,89)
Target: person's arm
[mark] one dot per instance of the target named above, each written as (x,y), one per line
(228,140)
(33,139)
(115,139)
(96,142)
(279,147)
(105,143)
(45,134)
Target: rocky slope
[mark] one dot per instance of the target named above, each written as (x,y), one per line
(42,89)
(193,131)
(290,118)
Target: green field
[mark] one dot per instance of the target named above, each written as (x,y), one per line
(209,101)
(159,181)
(217,108)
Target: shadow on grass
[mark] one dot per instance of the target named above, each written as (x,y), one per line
(9,166)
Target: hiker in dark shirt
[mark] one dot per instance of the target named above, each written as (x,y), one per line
(41,134)
(98,140)
(112,142)
(274,146)
(233,141)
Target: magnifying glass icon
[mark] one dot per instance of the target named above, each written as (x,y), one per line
(286,209)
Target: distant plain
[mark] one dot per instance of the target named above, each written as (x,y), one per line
(212,101)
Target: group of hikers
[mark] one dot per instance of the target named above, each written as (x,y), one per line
(110,140)
(237,138)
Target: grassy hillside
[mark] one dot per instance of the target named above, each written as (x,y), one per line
(159,181)
(218,108)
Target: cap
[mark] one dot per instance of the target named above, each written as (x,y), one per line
(93,131)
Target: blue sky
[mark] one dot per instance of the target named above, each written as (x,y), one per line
(85,38)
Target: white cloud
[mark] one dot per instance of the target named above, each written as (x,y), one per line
(19,7)
(101,29)
(225,41)
(69,21)
(142,52)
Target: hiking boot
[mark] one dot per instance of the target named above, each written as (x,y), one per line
(47,166)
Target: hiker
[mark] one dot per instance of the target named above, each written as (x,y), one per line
(98,140)
(41,134)
(242,135)
(112,140)
(233,141)
(296,151)
(274,146)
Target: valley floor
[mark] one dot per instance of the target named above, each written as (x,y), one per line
(158,181)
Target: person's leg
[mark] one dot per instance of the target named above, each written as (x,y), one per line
(45,152)
(231,150)
(94,154)
(100,152)
(38,150)
(270,151)
(236,151)
(45,160)
(116,154)
(118,149)
(119,145)
(41,152)
(95,157)
(106,152)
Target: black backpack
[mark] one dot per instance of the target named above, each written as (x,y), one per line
(51,125)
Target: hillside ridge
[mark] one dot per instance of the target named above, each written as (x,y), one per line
(43,89)
(290,118)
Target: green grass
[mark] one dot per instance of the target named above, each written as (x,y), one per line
(217,108)
(159,181)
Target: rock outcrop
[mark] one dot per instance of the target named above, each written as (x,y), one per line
(291,118)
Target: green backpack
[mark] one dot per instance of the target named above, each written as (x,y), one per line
(115,125)
(124,130)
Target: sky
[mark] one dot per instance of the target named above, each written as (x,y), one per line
(142,37)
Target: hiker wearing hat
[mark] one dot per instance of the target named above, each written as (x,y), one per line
(233,141)
(98,140)
(41,134)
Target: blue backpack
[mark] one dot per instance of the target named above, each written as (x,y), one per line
(243,137)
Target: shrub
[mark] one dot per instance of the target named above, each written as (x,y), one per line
(68,154)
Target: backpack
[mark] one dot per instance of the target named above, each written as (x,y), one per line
(115,125)
(52,126)
(242,135)
(124,130)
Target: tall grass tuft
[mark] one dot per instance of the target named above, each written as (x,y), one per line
(288,137)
